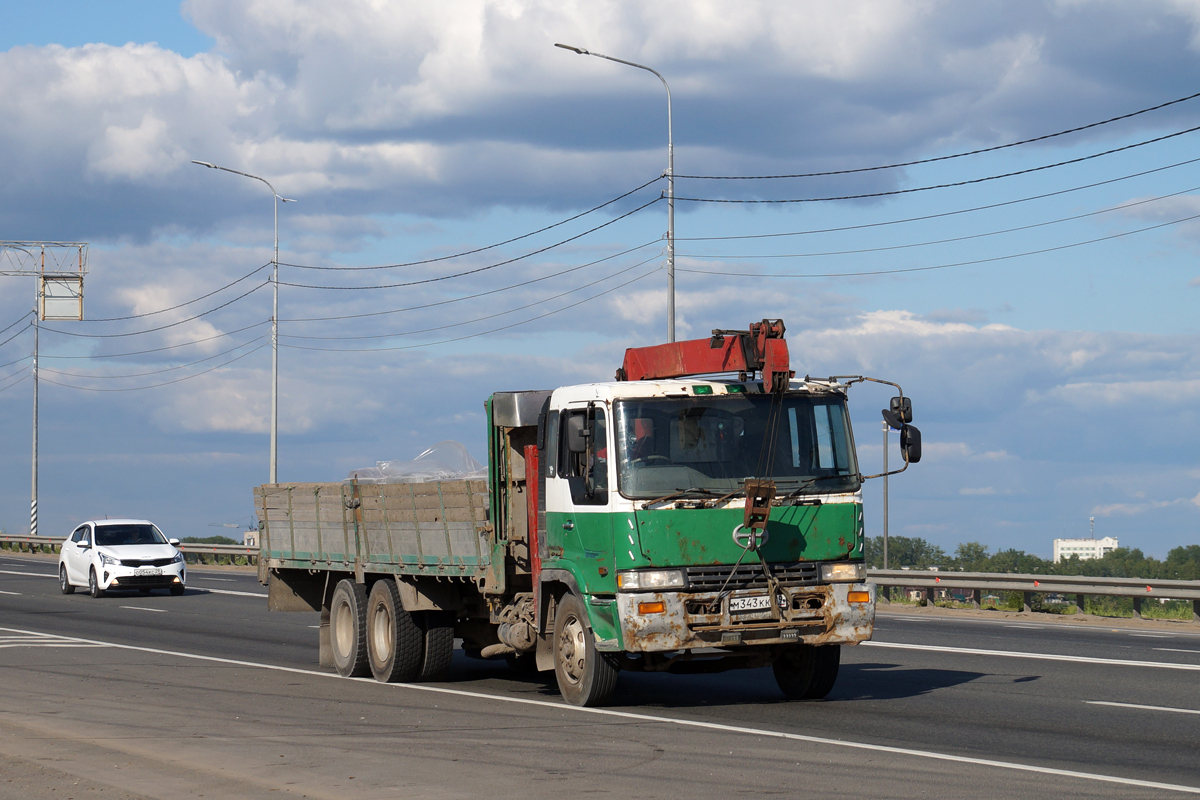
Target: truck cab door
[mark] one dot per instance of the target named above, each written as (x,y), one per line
(578,514)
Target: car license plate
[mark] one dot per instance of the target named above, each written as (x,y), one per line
(758,602)
(148,571)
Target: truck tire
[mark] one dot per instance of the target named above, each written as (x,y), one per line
(348,628)
(437,629)
(585,676)
(395,644)
(808,672)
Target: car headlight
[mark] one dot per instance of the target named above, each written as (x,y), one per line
(649,580)
(843,572)
(109,561)
(178,559)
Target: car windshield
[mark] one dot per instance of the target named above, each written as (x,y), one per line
(116,535)
(711,443)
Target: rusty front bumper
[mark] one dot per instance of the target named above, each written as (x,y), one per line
(809,614)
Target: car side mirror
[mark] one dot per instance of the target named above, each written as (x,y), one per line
(84,546)
(173,542)
(577,433)
(910,444)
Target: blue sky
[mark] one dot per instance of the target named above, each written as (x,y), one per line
(1053,369)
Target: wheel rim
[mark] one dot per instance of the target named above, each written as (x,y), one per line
(572,649)
(92,580)
(62,577)
(343,630)
(383,631)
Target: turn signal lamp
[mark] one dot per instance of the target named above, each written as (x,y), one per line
(858,597)
(658,607)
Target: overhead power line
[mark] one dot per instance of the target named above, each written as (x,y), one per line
(160,349)
(951,240)
(486,247)
(15,322)
(478,269)
(160,327)
(18,333)
(953,184)
(152,372)
(925,217)
(477,295)
(475,335)
(24,377)
(477,319)
(945,158)
(187,303)
(157,385)
(973,262)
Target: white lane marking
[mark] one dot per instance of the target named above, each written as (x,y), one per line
(196,588)
(1027,627)
(229,591)
(2,592)
(1144,708)
(222,580)
(562,708)
(1036,656)
(143,608)
(884,615)
(1152,635)
(1176,650)
(34,639)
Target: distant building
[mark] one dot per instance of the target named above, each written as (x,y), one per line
(1084,548)
(250,539)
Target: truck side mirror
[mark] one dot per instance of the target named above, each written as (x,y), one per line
(910,444)
(902,408)
(577,433)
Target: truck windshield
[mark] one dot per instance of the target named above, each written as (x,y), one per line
(711,444)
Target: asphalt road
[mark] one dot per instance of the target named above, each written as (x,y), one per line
(210,695)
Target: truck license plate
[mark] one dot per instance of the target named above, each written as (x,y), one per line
(759,602)
(148,571)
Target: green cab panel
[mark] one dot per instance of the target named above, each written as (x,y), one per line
(697,536)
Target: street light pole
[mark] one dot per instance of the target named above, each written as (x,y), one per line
(274,317)
(670,183)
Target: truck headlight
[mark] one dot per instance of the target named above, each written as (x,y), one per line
(843,572)
(649,580)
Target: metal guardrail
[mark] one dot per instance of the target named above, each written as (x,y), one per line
(194,552)
(1029,585)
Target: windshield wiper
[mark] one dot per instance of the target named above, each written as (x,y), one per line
(675,494)
(803,486)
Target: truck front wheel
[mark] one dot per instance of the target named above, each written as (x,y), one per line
(348,628)
(394,642)
(585,676)
(808,672)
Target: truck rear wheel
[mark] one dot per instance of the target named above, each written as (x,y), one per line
(394,642)
(585,676)
(437,629)
(808,672)
(348,628)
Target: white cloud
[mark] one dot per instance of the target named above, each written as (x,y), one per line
(980,492)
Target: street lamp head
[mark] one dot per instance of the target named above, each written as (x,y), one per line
(206,164)
(579,50)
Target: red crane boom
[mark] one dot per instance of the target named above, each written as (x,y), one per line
(760,349)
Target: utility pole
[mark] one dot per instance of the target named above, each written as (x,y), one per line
(886,428)
(58,296)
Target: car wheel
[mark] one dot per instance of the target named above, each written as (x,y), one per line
(807,672)
(177,590)
(395,643)
(348,629)
(586,677)
(94,585)
(63,583)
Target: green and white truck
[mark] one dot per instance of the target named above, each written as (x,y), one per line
(670,520)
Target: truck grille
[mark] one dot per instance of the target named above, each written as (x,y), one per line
(710,578)
(146,562)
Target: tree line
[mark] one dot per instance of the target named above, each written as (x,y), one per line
(1182,563)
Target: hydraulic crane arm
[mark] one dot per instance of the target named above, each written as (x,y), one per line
(760,349)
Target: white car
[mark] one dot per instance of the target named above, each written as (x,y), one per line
(108,554)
